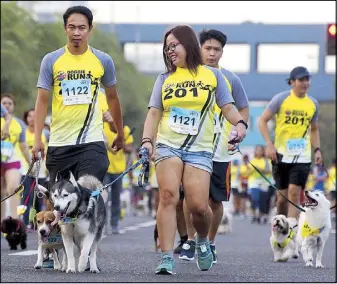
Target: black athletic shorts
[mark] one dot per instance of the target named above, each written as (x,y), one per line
(220,187)
(89,158)
(285,174)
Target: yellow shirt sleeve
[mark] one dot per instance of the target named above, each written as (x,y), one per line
(128,138)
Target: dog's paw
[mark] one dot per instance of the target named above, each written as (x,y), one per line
(38,266)
(319,265)
(295,255)
(82,267)
(63,268)
(57,266)
(71,270)
(309,264)
(94,270)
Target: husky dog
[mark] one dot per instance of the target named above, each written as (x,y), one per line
(82,217)
(314,227)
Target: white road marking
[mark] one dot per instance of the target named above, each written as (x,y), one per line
(25,253)
(122,231)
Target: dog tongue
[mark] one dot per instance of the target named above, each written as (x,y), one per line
(57,217)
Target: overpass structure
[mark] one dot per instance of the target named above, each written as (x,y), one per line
(262,55)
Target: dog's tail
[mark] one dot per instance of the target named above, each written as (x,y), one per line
(91,182)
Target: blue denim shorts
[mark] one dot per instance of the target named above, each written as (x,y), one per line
(201,160)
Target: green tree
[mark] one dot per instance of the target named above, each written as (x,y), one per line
(24,42)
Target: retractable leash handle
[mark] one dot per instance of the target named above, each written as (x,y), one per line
(143,177)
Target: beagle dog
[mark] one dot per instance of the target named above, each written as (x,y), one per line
(49,237)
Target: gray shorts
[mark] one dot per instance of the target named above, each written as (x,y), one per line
(201,160)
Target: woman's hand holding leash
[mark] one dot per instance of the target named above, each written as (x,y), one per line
(147,144)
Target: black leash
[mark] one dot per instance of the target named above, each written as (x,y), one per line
(21,187)
(266,179)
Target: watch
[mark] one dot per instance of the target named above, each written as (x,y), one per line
(243,122)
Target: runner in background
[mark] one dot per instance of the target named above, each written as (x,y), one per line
(10,157)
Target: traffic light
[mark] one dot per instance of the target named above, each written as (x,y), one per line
(331,39)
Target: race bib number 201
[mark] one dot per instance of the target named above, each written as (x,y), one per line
(76,92)
(184,121)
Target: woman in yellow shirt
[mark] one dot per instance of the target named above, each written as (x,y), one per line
(179,129)
(258,187)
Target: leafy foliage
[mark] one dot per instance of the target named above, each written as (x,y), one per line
(25,42)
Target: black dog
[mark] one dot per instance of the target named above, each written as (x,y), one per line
(15,233)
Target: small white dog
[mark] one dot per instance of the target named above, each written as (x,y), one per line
(282,238)
(226,225)
(313,227)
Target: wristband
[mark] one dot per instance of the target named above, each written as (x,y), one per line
(317,149)
(243,122)
(145,140)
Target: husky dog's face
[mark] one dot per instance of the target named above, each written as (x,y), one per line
(316,200)
(64,194)
(280,224)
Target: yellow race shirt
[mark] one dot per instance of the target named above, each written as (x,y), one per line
(332,179)
(222,127)
(118,160)
(255,180)
(310,181)
(10,150)
(187,102)
(74,81)
(293,119)
(235,183)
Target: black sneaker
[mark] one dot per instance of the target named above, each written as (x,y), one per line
(188,250)
(215,258)
(177,250)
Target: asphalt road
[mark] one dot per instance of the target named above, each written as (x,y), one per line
(244,256)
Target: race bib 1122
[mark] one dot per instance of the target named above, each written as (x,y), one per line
(76,92)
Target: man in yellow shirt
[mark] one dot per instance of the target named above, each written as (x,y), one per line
(296,134)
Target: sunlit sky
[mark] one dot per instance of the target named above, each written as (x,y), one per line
(287,12)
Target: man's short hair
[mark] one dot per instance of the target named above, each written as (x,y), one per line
(212,34)
(78,10)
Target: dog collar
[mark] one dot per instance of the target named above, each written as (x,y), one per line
(67,220)
(308,231)
(286,241)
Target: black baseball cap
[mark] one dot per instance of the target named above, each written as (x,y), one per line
(298,72)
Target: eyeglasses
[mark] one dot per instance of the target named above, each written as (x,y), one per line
(171,47)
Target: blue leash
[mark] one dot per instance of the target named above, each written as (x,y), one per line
(143,177)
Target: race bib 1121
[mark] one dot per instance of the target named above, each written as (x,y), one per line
(76,92)
(184,121)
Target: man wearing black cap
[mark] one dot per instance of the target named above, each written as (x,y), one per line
(296,132)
